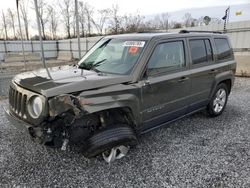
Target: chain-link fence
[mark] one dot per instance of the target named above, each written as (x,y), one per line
(56,53)
(65,51)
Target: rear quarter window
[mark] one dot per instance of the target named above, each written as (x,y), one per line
(224,51)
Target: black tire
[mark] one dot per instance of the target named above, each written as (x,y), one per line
(108,138)
(210,107)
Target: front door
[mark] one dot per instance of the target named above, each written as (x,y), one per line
(166,85)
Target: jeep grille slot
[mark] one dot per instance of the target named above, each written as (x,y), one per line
(18,102)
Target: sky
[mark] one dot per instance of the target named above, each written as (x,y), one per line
(149,8)
(145,7)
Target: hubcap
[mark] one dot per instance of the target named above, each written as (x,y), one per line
(220,100)
(115,153)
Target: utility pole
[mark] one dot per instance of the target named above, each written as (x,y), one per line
(226,19)
(21,35)
(40,38)
(77,28)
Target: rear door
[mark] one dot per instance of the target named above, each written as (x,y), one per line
(203,73)
(166,84)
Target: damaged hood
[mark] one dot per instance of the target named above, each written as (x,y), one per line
(66,79)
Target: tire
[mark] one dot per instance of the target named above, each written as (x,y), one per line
(218,101)
(108,138)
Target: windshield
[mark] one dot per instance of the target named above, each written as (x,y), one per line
(113,56)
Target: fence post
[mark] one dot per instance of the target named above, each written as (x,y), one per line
(5,47)
(70,47)
(87,45)
(57,48)
(32,48)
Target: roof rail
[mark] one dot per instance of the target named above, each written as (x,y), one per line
(152,31)
(197,31)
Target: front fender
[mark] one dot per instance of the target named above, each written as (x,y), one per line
(116,96)
(101,103)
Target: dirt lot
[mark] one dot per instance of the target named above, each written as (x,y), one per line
(196,151)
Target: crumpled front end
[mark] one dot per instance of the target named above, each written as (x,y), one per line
(62,119)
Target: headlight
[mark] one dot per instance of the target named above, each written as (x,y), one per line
(35,106)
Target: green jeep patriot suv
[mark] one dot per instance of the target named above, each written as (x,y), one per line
(124,86)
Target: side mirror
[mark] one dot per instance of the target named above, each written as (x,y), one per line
(147,82)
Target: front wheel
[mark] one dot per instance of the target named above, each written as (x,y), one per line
(219,100)
(112,142)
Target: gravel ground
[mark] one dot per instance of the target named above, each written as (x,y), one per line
(196,151)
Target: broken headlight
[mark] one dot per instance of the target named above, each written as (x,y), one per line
(35,106)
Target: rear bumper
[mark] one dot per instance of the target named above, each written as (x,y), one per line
(19,124)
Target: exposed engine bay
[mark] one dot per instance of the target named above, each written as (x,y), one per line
(69,123)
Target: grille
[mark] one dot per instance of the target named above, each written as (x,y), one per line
(18,102)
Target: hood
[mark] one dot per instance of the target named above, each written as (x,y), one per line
(66,79)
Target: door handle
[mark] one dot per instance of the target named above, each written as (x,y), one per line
(213,71)
(183,79)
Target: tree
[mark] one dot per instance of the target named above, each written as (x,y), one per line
(206,20)
(82,17)
(176,25)
(5,25)
(42,15)
(11,20)
(162,21)
(132,23)
(187,19)
(66,15)
(53,21)
(89,11)
(24,13)
(104,14)
(115,20)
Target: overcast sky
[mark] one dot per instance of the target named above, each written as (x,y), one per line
(149,8)
(145,6)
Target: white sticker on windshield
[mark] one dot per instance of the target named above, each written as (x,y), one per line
(134,43)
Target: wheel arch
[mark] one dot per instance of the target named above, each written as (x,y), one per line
(225,77)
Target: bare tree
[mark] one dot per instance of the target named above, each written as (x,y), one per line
(24,13)
(149,25)
(5,25)
(132,23)
(163,20)
(42,15)
(103,17)
(66,15)
(73,21)
(1,34)
(115,20)
(187,18)
(82,17)
(53,21)
(89,11)
(11,20)
(175,25)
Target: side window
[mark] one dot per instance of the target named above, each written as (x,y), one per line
(167,57)
(223,49)
(198,51)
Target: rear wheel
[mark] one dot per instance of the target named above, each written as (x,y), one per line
(112,142)
(218,101)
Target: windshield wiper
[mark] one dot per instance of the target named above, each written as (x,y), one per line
(91,65)
(94,65)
